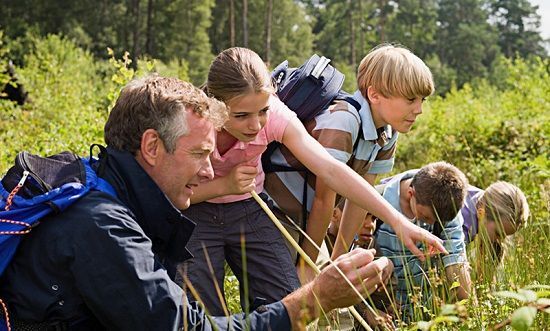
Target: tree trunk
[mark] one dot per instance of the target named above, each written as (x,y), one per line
(135,32)
(232,23)
(269,15)
(352,33)
(361,27)
(382,20)
(245,23)
(149,30)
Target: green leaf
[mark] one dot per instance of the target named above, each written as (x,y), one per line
(455,285)
(423,325)
(529,295)
(538,286)
(511,295)
(443,319)
(543,294)
(448,310)
(523,318)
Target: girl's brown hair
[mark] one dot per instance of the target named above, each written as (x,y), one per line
(236,72)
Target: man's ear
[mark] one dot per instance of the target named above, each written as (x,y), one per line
(373,95)
(151,146)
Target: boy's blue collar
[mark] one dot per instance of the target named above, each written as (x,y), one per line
(369,129)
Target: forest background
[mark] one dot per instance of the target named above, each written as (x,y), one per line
(490,115)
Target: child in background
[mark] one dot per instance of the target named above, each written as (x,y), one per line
(491,216)
(231,226)
(431,197)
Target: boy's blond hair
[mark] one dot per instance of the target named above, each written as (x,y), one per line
(394,71)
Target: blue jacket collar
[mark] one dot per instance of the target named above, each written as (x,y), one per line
(163,223)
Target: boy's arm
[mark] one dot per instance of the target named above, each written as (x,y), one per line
(352,218)
(319,217)
(345,181)
(456,264)
(461,273)
(353,215)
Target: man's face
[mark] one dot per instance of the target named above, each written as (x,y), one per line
(247,116)
(399,112)
(178,173)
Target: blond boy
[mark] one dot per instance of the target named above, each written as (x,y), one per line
(392,85)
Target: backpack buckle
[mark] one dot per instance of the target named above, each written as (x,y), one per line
(23,178)
(320,67)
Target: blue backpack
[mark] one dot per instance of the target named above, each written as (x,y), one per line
(311,88)
(307,91)
(36,187)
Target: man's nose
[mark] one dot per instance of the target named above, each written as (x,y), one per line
(206,172)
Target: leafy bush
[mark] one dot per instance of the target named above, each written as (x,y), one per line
(65,111)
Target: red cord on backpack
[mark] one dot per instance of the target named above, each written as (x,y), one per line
(6,315)
(9,201)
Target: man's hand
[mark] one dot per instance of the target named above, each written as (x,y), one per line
(365,274)
(410,234)
(242,179)
(330,290)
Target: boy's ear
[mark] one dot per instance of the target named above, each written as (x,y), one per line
(373,95)
(410,192)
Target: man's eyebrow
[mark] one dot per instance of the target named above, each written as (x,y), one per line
(266,108)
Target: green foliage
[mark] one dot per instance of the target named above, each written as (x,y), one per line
(70,94)
(415,26)
(65,110)
(464,26)
(444,76)
(174,68)
(191,20)
(533,302)
(517,23)
(4,77)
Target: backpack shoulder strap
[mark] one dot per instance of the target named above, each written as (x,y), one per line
(342,95)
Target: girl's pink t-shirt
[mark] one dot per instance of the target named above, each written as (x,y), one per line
(279,115)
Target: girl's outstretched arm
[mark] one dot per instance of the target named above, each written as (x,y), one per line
(346,182)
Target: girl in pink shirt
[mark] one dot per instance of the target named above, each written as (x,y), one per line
(231,226)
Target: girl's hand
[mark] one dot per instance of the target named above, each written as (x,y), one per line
(410,234)
(242,179)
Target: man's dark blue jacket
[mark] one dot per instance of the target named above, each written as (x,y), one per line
(108,263)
